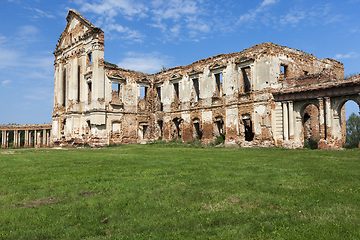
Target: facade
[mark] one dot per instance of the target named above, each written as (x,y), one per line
(266,95)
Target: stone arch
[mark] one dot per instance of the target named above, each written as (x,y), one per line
(197,128)
(310,119)
(339,112)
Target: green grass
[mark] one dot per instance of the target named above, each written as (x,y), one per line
(161,192)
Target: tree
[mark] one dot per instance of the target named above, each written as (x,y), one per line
(352,131)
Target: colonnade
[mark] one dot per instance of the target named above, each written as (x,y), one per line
(25,136)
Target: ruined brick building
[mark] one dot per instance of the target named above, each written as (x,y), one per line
(265,95)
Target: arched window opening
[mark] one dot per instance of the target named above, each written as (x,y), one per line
(177,123)
(249,135)
(197,129)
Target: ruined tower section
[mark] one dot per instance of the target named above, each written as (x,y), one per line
(79,84)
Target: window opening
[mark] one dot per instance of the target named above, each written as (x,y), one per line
(78,80)
(89,92)
(115,93)
(177,123)
(197,130)
(218,79)
(306,73)
(284,70)
(64,88)
(89,58)
(158,91)
(88,127)
(160,124)
(176,90)
(246,78)
(143,92)
(196,89)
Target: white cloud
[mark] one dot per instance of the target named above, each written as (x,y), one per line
(293,17)
(9,58)
(127,33)
(252,14)
(28,30)
(5,83)
(348,55)
(148,63)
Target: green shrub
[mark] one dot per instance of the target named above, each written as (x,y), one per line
(311,143)
(220,139)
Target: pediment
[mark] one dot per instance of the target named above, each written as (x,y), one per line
(195,71)
(77,26)
(176,76)
(116,76)
(217,65)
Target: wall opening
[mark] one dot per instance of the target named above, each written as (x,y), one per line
(197,133)
(218,80)
(88,127)
(196,89)
(311,123)
(284,70)
(349,108)
(246,73)
(89,59)
(89,92)
(78,82)
(176,91)
(64,88)
(249,135)
(143,92)
(115,93)
(219,125)
(160,127)
(177,123)
(144,129)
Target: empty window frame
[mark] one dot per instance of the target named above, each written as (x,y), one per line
(160,126)
(196,89)
(284,70)
(89,59)
(116,93)
(176,90)
(89,92)
(78,82)
(218,84)
(64,88)
(246,72)
(143,92)
(158,91)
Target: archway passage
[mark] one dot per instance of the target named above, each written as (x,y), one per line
(350,124)
(311,124)
(249,135)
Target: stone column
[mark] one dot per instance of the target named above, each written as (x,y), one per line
(15,138)
(328,117)
(285,121)
(26,143)
(321,118)
(3,139)
(30,139)
(35,139)
(44,137)
(47,138)
(291,121)
(19,138)
(7,140)
(59,92)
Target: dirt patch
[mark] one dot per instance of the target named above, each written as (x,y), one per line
(234,200)
(87,193)
(38,203)
(9,152)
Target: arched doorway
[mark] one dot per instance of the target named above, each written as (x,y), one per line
(349,124)
(249,135)
(311,123)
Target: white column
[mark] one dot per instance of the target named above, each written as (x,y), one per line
(291,121)
(328,117)
(3,139)
(60,85)
(15,144)
(321,118)
(285,121)
(44,137)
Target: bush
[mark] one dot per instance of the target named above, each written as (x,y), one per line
(311,143)
(220,139)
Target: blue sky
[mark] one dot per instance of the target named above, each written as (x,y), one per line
(146,35)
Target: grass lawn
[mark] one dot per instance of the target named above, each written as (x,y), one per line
(161,192)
